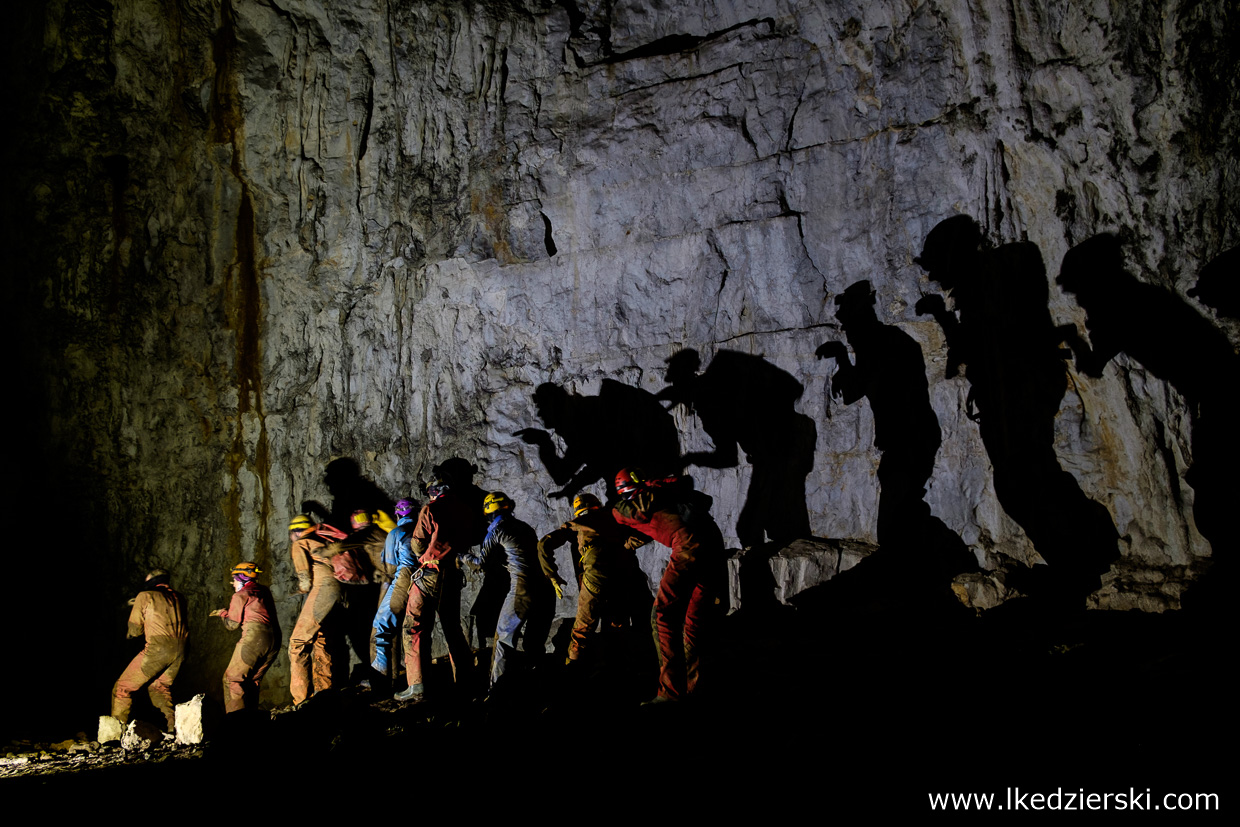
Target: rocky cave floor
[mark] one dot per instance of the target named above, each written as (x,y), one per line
(894,699)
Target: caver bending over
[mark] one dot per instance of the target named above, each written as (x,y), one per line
(525,619)
(442,531)
(677,517)
(253,610)
(318,633)
(159,615)
(364,576)
(399,559)
(608,567)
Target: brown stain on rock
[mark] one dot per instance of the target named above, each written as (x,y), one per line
(243,300)
(487,201)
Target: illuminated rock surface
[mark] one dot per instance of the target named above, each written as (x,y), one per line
(189,721)
(140,736)
(257,239)
(110,729)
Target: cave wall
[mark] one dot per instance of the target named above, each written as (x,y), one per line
(257,238)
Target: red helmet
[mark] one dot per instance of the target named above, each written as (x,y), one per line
(627,483)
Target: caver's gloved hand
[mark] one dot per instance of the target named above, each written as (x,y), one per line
(559,589)
(384,520)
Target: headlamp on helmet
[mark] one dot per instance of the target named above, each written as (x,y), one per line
(245,572)
(300,523)
(627,483)
(495,502)
(584,503)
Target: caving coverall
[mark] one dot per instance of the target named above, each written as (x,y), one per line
(255,612)
(525,618)
(398,558)
(362,599)
(443,530)
(159,615)
(691,582)
(609,570)
(319,626)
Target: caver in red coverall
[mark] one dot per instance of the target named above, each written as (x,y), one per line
(690,584)
(317,630)
(159,614)
(445,526)
(254,611)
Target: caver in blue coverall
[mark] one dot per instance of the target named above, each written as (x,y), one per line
(397,554)
(525,619)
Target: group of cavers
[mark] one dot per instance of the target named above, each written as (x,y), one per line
(999,328)
(418,565)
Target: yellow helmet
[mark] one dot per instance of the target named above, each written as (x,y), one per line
(496,501)
(300,523)
(585,502)
(247,570)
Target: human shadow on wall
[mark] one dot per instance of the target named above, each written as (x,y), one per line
(915,547)
(1218,284)
(745,403)
(1179,345)
(1017,380)
(458,473)
(622,427)
(350,491)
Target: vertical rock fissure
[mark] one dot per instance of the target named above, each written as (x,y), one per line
(243,303)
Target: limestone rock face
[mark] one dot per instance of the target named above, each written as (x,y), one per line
(189,721)
(110,729)
(271,241)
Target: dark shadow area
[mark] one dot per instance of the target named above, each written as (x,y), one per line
(1002,331)
(744,402)
(890,372)
(1173,341)
(483,592)
(849,710)
(361,600)
(458,474)
(350,491)
(621,427)
(1218,284)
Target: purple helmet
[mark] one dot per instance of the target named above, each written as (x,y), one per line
(404,507)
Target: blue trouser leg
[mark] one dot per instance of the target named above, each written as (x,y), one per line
(506,631)
(387,624)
